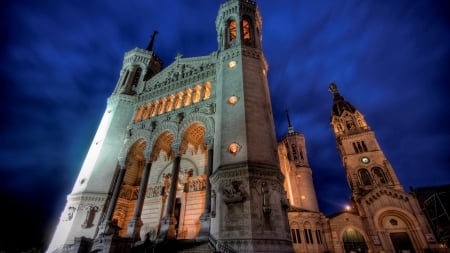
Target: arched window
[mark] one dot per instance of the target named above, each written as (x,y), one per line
(196,97)
(295,233)
(247,37)
(136,77)
(308,233)
(179,100)
(187,97)
(354,241)
(364,146)
(138,115)
(154,107)
(364,176)
(232,31)
(378,172)
(146,111)
(162,105)
(360,147)
(319,238)
(355,147)
(170,103)
(207,93)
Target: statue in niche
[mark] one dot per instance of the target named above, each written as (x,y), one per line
(90,215)
(265,192)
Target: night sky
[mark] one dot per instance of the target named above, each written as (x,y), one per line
(60,60)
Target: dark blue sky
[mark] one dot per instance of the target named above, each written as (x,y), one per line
(60,60)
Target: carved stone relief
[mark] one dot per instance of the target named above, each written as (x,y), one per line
(69,213)
(232,192)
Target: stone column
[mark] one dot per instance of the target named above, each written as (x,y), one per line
(168,222)
(135,224)
(108,227)
(205,218)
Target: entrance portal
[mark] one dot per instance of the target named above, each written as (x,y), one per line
(402,242)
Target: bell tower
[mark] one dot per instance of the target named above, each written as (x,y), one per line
(364,162)
(389,215)
(248,203)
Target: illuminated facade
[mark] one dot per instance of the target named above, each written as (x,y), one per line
(186,156)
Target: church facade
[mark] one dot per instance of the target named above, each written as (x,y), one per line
(186,156)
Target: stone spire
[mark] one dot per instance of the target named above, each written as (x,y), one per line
(152,41)
(290,127)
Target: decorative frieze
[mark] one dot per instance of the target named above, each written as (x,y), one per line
(197,184)
(155,191)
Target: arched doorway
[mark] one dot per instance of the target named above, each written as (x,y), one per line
(129,190)
(354,241)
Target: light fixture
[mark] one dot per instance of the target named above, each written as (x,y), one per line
(232,64)
(233,148)
(232,100)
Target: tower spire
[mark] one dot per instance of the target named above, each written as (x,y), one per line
(290,128)
(333,88)
(152,41)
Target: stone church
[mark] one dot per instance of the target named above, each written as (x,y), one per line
(185,159)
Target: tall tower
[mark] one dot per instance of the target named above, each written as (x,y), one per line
(295,166)
(249,204)
(364,162)
(392,219)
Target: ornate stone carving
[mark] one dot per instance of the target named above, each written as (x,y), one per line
(155,191)
(232,192)
(197,184)
(69,213)
(179,74)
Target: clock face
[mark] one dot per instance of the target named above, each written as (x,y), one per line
(365,159)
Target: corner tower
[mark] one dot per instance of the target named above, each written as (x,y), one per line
(87,202)
(392,219)
(248,200)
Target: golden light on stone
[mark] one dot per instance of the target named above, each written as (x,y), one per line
(232,100)
(303,197)
(232,64)
(233,148)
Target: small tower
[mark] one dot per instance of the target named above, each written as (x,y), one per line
(389,216)
(295,167)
